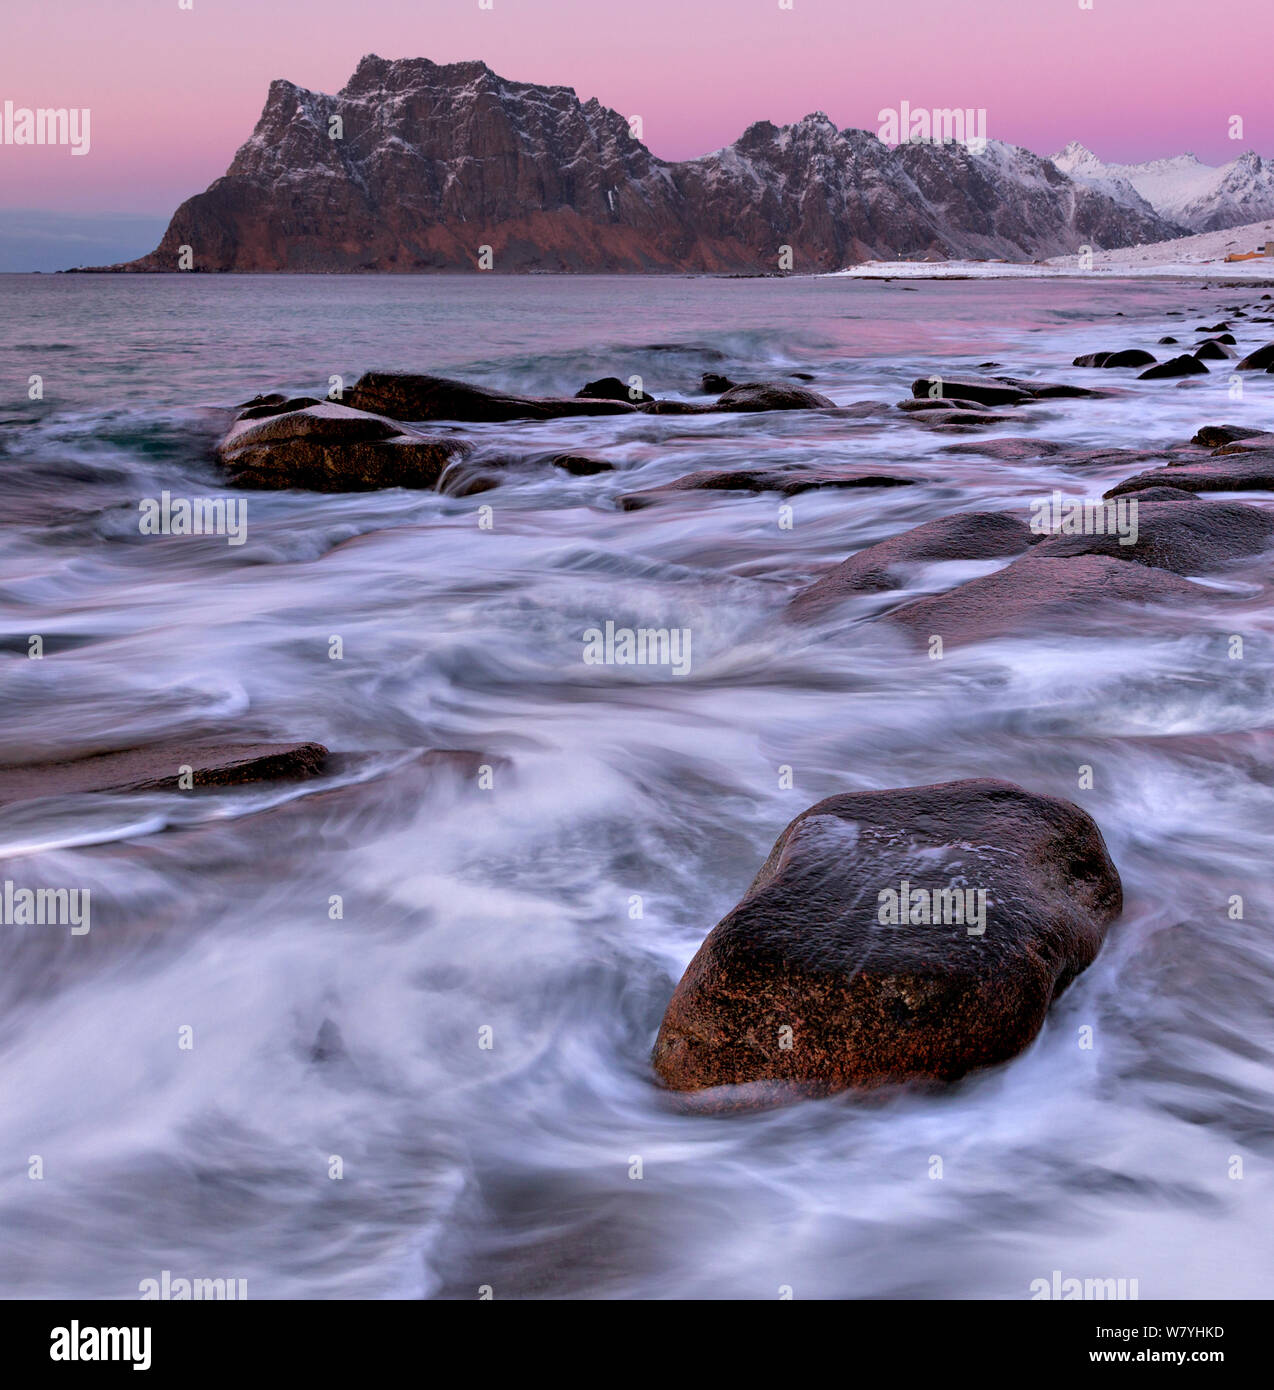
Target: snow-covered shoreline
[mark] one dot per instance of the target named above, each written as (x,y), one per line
(1194,257)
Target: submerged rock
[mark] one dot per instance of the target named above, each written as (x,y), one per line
(159,768)
(785,481)
(1186,537)
(332,448)
(1241,472)
(965,536)
(772,395)
(1185,365)
(980,390)
(610,388)
(1037,592)
(812,984)
(407,396)
(1129,357)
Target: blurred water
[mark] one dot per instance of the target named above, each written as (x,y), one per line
(511,908)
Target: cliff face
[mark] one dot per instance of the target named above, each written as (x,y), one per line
(435,161)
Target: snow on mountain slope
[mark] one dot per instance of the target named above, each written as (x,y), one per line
(1182,188)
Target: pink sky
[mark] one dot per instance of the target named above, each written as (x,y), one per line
(173,93)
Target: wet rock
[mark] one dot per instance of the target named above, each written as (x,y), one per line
(922,403)
(1212,436)
(771,395)
(964,536)
(1262,360)
(1009,450)
(610,388)
(1131,357)
(1213,351)
(582,466)
(260,409)
(1036,592)
(1185,365)
(981,390)
(158,768)
(668,407)
(332,448)
(1250,472)
(974,416)
(803,988)
(1163,342)
(789,482)
(713,383)
(406,396)
(1216,328)
(1184,536)
(1053,390)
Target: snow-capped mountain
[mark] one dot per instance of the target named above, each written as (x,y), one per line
(1182,189)
(415,165)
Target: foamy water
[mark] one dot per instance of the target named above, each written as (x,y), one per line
(513,909)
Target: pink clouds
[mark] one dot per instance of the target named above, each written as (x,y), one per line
(174,92)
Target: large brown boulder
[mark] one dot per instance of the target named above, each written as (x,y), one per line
(808,985)
(964,536)
(407,396)
(332,448)
(1262,360)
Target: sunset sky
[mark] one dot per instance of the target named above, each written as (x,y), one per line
(173,92)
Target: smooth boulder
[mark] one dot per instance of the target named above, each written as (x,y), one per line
(1237,472)
(332,448)
(807,987)
(772,395)
(1262,360)
(789,482)
(1185,365)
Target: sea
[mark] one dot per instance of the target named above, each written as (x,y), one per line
(386,1033)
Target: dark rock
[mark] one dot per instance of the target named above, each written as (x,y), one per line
(915,403)
(1165,341)
(982,390)
(789,482)
(157,768)
(1216,328)
(771,395)
(964,536)
(1053,390)
(667,407)
(1211,436)
(802,987)
(332,448)
(264,408)
(581,466)
(405,396)
(1130,357)
(1184,365)
(1259,361)
(1213,351)
(713,383)
(942,419)
(1035,591)
(1253,472)
(1184,536)
(1008,450)
(610,388)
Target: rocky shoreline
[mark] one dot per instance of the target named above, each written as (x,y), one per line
(806,987)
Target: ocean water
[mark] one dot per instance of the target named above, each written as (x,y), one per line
(553,912)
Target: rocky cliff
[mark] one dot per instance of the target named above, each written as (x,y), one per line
(416,166)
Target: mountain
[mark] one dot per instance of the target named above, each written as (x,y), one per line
(435,161)
(1202,197)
